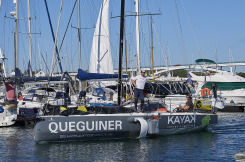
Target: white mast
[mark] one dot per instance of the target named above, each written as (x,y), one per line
(29,34)
(55,42)
(137,35)
(79,34)
(17,35)
(79,41)
(16,15)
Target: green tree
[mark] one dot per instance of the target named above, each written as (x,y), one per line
(241,74)
(180,73)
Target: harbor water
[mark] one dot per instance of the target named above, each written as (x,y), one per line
(220,143)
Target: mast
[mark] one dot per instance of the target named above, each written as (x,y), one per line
(152,50)
(79,41)
(137,36)
(52,31)
(16,35)
(126,56)
(55,42)
(29,35)
(120,53)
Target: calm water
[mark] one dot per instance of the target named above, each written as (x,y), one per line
(220,143)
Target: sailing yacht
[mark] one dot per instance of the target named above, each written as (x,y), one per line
(8,105)
(8,100)
(116,122)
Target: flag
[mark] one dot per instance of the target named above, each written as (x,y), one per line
(82,108)
(190,83)
(29,68)
(62,108)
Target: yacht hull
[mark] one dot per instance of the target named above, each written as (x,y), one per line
(115,126)
(8,117)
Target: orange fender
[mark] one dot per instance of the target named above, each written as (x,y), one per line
(163,109)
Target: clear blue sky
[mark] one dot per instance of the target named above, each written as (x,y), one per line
(192,29)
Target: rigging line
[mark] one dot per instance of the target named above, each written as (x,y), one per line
(45,64)
(33,5)
(66,30)
(181,32)
(147,14)
(142,36)
(68,25)
(52,32)
(165,60)
(4,20)
(192,29)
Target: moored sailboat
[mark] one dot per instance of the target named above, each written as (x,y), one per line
(8,107)
(8,102)
(118,122)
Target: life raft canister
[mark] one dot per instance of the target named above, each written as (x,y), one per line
(204,92)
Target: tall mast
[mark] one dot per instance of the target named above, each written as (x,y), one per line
(52,32)
(55,42)
(120,53)
(29,35)
(137,35)
(79,40)
(79,33)
(16,35)
(126,56)
(152,50)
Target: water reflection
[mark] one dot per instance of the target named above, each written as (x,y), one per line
(148,149)
(16,142)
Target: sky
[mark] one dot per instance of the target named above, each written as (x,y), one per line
(183,31)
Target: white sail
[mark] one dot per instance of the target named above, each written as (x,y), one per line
(100,57)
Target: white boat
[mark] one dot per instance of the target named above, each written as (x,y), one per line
(38,95)
(229,85)
(8,103)
(8,106)
(8,115)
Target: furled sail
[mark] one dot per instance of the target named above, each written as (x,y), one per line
(100,57)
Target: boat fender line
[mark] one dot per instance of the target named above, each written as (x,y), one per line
(143,126)
(204,92)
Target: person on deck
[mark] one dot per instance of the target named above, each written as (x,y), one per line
(188,105)
(139,84)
